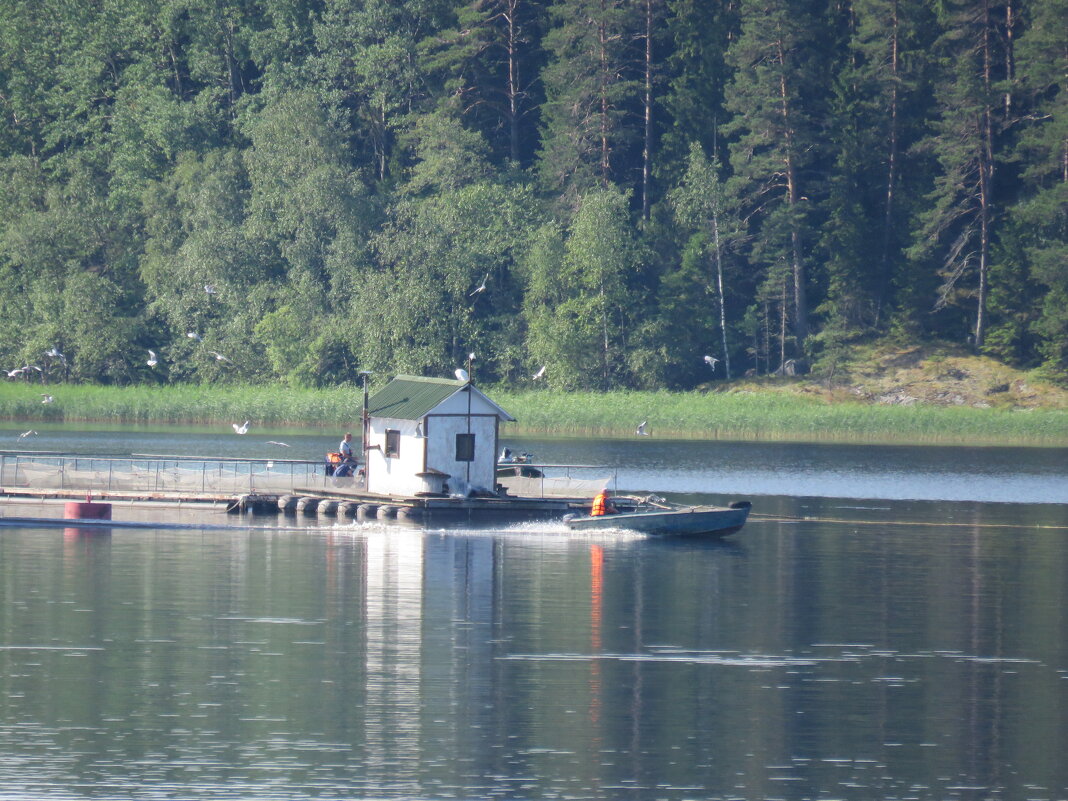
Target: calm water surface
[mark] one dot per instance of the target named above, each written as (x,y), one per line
(845,645)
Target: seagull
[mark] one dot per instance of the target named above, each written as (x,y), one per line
(193,335)
(272,442)
(32,367)
(152,360)
(47,398)
(641,432)
(30,433)
(209,288)
(219,357)
(711,361)
(481,287)
(240,429)
(538,374)
(16,372)
(461,374)
(55,354)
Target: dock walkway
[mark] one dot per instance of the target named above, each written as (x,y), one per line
(264,486)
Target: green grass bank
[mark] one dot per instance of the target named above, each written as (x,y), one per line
(775,416)
(767,416)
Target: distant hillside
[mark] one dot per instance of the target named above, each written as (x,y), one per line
(938,375)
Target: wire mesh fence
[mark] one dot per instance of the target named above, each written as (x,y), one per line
(159,475)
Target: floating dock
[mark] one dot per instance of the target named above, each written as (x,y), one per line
(254,486)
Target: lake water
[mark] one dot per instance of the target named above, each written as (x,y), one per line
(890,624)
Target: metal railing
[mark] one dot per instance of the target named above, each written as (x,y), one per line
(160,474)
(535,480)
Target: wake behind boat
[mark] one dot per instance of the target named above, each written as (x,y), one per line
(659,520)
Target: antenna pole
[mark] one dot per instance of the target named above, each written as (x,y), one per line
(365,421)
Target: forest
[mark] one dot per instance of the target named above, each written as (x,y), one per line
(588,194)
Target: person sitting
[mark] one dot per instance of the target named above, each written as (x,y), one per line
(348,459)
(602,504)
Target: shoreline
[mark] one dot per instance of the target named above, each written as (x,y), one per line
(770,416)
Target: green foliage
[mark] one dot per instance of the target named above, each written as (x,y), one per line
(773,416)
(583,294)
(742,416)
(312,187)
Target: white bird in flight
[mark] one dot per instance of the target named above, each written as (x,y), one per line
(711,362)
(538,374)
(219,357)
(47,398)
(152,360)
(15,372)
(55,354)
(641,432)
(461,374)
(193,335)
(240,429)
(272,442)
(481,287)
(30,433)
(209,288)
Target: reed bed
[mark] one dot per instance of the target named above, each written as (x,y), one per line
(735,416)
(776,417)
(181,404)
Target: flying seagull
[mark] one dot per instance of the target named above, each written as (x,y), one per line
(272,442)
(209,288)
(17,371)
(47,398)
(152,360)
(30,433)
(55,354)
(240,429)
(711,361)
(641,432)
(538,374)
(193,335)
(481,287)
(219,357)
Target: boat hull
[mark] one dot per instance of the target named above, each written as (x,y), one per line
(699,521)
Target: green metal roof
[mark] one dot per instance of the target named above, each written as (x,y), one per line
(410,397)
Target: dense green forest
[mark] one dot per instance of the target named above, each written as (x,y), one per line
(294,190)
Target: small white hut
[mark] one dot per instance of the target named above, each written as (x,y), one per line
(431,435)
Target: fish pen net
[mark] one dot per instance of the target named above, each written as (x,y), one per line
(157,476)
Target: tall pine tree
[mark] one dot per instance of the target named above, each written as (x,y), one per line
(774,136)
(957,229)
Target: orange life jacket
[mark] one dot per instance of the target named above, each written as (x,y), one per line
(601,505)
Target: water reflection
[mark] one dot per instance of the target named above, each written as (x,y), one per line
(803,660)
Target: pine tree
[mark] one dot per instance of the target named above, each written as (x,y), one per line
(1041,148)
(773,139)
(589,86)
(875,122)
(488,61)
(696,77)
(958,226)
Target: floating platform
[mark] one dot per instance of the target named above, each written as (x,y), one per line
(330,503)
(254,486)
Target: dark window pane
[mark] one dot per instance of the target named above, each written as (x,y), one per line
(465,447)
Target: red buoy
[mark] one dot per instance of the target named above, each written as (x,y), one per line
(86,510)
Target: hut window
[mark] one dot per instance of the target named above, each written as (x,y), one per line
(392,442)
(465,447)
